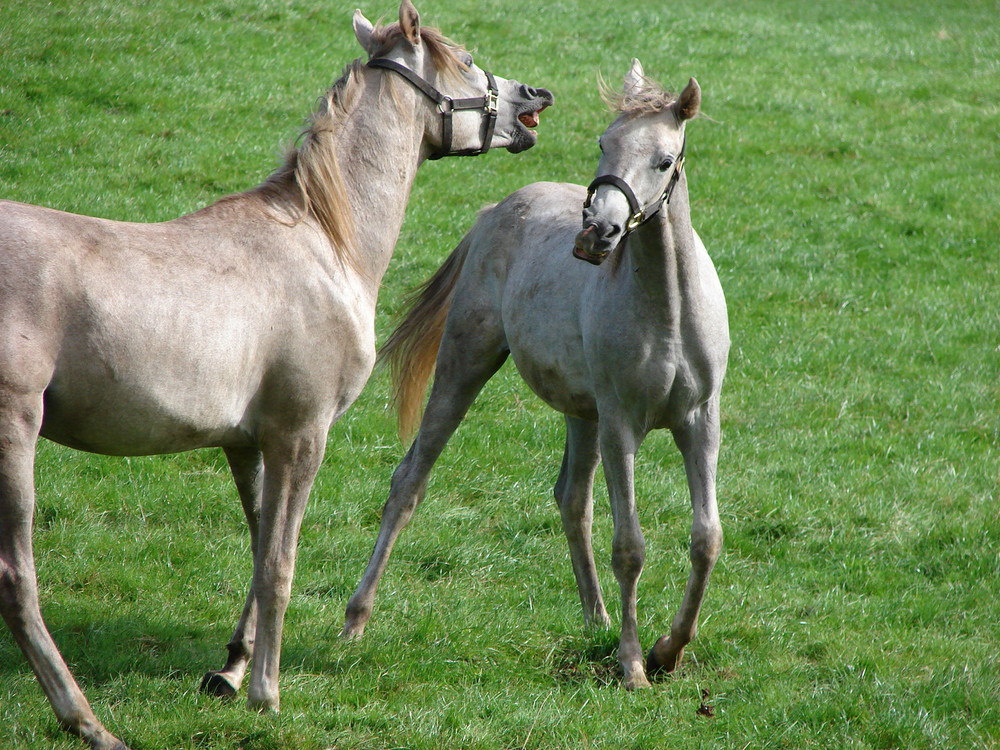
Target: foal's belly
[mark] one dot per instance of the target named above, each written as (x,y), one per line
(556,386)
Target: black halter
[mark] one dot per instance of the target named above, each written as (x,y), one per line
(638,215)
(446,106)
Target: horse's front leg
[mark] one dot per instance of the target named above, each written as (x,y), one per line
(247,467)
(628,548)
(699,444)
(291,463)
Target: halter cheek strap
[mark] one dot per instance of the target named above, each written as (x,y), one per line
(489,104)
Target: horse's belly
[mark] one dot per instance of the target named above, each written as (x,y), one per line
(129,412)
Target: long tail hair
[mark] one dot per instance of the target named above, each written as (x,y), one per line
(411,350)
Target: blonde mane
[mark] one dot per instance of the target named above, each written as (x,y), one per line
(312,165)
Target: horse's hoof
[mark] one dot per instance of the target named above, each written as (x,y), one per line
(214,683)
(663,657)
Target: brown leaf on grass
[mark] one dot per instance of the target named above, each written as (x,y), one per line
(705,709)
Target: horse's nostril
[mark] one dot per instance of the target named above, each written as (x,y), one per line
(611,230)
(528,93)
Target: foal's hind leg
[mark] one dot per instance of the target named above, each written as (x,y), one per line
(466,361)
(699,444)
(574,494)
(247,467)
(20,420)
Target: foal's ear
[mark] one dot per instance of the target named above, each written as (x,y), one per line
(688,104)
(363,31)
(635,79)
(409,22)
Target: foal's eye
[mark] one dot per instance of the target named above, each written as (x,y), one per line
(666,164)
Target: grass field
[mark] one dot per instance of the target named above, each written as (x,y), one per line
(846,183)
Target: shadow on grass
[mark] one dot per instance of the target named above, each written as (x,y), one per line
(588,658)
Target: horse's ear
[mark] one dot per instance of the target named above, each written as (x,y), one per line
(689,102)
(635,79)
(409,22)
(363,31)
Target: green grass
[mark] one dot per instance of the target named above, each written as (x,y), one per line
(846,185)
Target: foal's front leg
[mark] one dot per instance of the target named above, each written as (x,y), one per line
(247,467)
(291,463)
(628,548)
(699,444)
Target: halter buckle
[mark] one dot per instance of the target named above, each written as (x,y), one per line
(446,106)
(491,102)
(634,220)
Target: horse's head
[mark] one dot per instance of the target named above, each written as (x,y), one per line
(468,110)
(642,154)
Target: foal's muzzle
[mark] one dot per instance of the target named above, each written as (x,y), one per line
(590,246)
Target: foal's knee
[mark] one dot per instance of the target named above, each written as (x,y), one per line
(627,559)
(706,544)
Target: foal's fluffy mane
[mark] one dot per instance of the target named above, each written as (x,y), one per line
(312,165)
(637,100)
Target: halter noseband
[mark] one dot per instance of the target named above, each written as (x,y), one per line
(489,104)
(638,214)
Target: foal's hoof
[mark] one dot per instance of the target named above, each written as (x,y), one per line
(215,683)
(663,657)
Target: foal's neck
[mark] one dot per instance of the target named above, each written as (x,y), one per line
(662,263)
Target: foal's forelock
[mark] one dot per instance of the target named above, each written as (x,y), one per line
(637,100)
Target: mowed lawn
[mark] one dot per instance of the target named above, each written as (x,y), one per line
(845,181)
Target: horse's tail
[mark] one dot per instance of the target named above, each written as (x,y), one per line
(411,350)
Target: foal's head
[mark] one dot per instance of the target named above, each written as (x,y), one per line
(450,69)
(641,159)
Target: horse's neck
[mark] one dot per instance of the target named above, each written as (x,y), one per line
(662,263)
(379,152)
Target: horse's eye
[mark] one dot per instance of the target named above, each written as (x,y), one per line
(666,164)
(466,60)
(600,145)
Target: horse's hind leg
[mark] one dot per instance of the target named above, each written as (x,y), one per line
(699,444)
(247,467)
(20,420)
(467,359)
(574,494)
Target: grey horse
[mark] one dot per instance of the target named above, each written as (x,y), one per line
(621,347)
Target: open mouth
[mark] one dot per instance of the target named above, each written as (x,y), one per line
(530,119)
